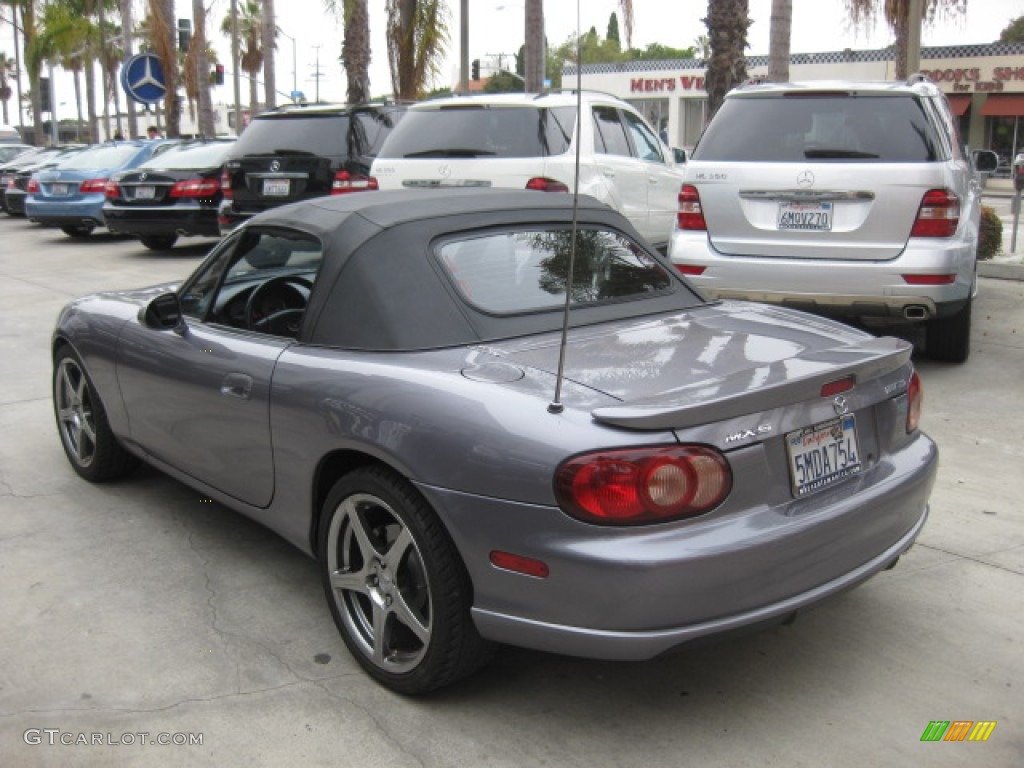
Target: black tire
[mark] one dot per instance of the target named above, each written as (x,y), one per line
(395,584)
(948,339)
(85,434)
(159,242)
(78,230)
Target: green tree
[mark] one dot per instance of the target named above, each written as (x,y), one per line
(8,67)
(613,29)
(417,33)
(504,82)
(658,52)
(1014,32)
(250,26)
(355,47)
(727,22)
(163,43)
(897,15)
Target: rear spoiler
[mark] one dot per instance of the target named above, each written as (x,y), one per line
(784,382)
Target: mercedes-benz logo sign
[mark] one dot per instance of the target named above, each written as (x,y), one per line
(275,166)
(143,176)
(444,171)
(840,405)
(805,179)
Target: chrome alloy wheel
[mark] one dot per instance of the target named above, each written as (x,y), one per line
(379,583)
(75,412)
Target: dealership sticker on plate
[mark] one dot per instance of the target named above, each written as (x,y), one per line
(823,454)
(811,217)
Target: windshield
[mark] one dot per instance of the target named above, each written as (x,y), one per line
(476,130)
(102,157)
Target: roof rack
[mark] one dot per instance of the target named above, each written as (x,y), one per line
(918,77)
(551,91)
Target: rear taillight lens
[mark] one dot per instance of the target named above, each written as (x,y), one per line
(690,269)
(542,184)
(915,395)
(225,185)
(938,216)
(33,186)
(196,188)
(111,191)
(643,485)
(690,215)
(345,182)
(93,185)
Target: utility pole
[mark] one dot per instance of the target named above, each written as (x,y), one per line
(235,67)
(464,48)
(317,74)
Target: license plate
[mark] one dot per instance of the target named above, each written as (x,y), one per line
(823,454)
(812,217)
(58,189)
(276,187)
(145,193)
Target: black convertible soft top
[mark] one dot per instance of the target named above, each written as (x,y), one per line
(379,288)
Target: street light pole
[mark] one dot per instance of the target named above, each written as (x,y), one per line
(295,66)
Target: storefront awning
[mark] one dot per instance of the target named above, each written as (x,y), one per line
(1004,105)
(960,102)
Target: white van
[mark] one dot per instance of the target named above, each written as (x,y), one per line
(9,135)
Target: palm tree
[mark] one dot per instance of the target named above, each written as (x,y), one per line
(727,23)
(269,44)
(355,48)
(627,21)
(161,32)
(8,67)
(250,30)
(778,44)
(67,38)
(127,51)
(201,69)
(897,15)
(417,33)
(32,68)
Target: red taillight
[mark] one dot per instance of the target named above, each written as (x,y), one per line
(914,397)
(196,188)
(929,279)
(690,269)
(225,185)
(520,564)
(690,215)
(345,182)
(111,191)
(542,184)
(93,185)
(938,216)
(33,186)
(643,485)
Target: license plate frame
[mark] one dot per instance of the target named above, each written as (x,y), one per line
(144,192)
(58,189)
(823,454)
(805,217)
(276,187)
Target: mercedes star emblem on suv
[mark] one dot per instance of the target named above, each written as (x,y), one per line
(805,179)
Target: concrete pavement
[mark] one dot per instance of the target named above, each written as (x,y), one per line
(137,607)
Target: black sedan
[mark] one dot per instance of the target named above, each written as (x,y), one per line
(176,193)
(15,174)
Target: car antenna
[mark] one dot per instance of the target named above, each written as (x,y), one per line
(556,406)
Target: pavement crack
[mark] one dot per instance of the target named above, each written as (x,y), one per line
(972,559)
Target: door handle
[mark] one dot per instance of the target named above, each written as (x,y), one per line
(609,172)
(236,385)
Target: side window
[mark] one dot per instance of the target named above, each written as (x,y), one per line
(611,132)
(646,143)
(261,281)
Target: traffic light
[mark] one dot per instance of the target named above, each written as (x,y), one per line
(218,75)
(184,34)
(44,95)
(476,69)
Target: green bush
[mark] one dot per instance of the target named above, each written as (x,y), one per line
(990,236)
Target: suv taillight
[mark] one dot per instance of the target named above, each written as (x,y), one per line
(225,185)
(690,215)
(542,184)
(345,182)
(938,216)
(635,486)
(33,186)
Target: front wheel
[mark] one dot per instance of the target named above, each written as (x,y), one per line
(948,339)
(159,242)
(78,230)
(395,584)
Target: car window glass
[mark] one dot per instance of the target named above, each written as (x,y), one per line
(609,128)
(820,128)
(197,294)
(323,134)
(101,157)
(188,156)
(646,143)
(520,271)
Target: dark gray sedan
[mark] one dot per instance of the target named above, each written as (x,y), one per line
(376,377)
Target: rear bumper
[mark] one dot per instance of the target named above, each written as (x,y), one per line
(162,221)
(863,288)
(62,214)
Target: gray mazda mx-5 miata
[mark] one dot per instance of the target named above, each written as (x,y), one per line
(375,377)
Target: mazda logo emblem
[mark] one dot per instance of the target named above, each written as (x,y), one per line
(275,166)
(840,405)
(805,179)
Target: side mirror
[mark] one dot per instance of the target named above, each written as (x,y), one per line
(985,161)
(164,313)
(678,156)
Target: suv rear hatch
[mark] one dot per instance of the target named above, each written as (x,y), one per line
(816,175)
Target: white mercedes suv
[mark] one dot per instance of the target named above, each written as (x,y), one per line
(528,141)
(852,199)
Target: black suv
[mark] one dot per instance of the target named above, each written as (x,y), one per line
(295,153)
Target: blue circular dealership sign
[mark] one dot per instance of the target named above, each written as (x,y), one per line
(142,78)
